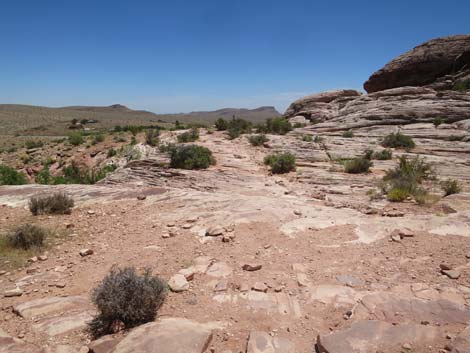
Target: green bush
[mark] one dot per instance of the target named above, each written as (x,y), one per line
(111,152)
(221,124)
(369,154)
(397,195)
(451,187)
(26,237)
(462,86)
(238,126)
(307,138)
(348,134)
(258,140)
(58,203)
(189,136)
(73,174)
(357,165)
(9,176)
(44,176)
(318,139)
(98,138)
(408,176)
(191,157)
(151,137)
(383,155)
(280,163)
(398,140)
(277,126)
(33,144)
(76,138)
(128,298)
(437,121)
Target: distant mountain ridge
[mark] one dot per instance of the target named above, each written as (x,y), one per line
(24,119)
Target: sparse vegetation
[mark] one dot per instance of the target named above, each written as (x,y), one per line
(348,134)
(221,124)
(73,174)
(277,126)
(26,237)
(307,138)
(398,140)
(97,138)
(280,163)
(111,153)
(318,139)
(238,126)
(10,176)
(151,137)
(451,187)
(383,155)
(125,297)
(30,144)
(258,140)
(189,136)
(58,203)
(191,157)
(357,165)
(406,178)
(462,86)
(76,138)
(437,121)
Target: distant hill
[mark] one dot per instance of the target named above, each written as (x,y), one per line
(37,120)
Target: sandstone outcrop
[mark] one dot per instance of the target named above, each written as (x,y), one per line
(424,64)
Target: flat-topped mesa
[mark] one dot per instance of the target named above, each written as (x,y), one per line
(321,106)
(426,64)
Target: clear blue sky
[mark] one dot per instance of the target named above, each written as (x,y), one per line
(179,56)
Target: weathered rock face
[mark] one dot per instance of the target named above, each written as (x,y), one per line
(321,106)
(423,65)
(400,106)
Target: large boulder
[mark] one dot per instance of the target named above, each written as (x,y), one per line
(321,106)
(423,65)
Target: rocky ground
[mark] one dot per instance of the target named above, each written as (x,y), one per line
(327,271)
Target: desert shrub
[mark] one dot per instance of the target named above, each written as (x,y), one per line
(307,138)
(280,163)
(298,125)
(407,176)
(357,165)
(191,157)
(318,139)
(33,144)
(73,174)
(58,203)
(398,140)
(238,126)
(189,136)
(258,140)
(111,152)
(44,176)
(278,126)
(221,124)
(133,141)
(26,237)
(10,176)
(98,138)
(383,155)
(348,134)
(125,297)
(437,121)
(451,187)
(462,86)
(76,138)
(397,195)
(369,154)
(120,139)
(151,137)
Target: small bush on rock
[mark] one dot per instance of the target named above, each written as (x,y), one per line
(26,237)
(221,124)
(76,138)
(348,134)
(383,155)
(397,195)
(307,138)
(451,187)
(280,163)
(357,165)
(398,140)
(191,157)
(58,203)
(278,126)
(126,298)
(258,140)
